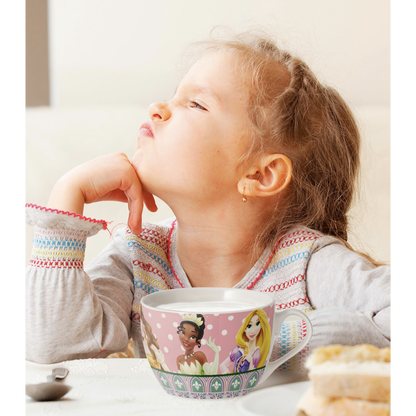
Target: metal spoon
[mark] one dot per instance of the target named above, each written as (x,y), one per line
(42,392)
(52,390)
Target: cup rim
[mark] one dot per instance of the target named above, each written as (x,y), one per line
(254,299)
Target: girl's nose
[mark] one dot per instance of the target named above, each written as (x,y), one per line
(159,111)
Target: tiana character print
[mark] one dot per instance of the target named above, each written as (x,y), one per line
(191,332)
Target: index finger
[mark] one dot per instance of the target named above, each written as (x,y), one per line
(135,204)
(136,197)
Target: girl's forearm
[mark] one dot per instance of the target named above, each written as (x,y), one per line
(67,196)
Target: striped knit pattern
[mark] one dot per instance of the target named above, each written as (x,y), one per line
(284,278)
(58,248)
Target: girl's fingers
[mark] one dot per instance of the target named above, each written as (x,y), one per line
(135,204)
(122,184)
(107,178)
(115,195)
(149,201)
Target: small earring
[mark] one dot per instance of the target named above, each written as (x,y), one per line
(244,197)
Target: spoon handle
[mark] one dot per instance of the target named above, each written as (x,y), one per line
(58,373)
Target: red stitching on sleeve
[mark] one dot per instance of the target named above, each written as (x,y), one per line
(71,214)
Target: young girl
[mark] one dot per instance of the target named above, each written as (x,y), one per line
(258,160)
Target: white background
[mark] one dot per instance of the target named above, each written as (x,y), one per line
(125,52)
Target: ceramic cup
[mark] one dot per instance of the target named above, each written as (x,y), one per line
(213,343)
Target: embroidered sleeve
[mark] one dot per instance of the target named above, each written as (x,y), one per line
(59,237)
(58,249)
(72,313)
(43,217)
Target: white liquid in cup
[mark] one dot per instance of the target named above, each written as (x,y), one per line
(207,307)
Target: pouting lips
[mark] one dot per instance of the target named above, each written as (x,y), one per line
(146,130)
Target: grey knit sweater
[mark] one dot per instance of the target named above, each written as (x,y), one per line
(74,313)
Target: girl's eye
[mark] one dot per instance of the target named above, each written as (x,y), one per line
(258,323)
(248,326)
(192,337)
(194,104)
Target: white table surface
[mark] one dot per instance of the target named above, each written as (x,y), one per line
(126,386)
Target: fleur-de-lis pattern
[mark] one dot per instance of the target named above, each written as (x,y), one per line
(208,387)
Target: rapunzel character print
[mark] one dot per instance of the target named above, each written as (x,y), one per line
(253,342)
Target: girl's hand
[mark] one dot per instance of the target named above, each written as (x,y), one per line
(107,178)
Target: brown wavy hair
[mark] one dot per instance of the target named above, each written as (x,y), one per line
(292,113)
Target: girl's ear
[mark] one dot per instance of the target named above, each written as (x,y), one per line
(268,177)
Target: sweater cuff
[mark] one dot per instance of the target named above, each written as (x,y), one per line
(55,219)
(60,237)
(58,249)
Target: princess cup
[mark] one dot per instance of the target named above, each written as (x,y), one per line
(213,343)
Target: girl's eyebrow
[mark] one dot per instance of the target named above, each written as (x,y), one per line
(201,90)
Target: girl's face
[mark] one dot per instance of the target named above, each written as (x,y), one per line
(191,145)
(188,336)
(253,328)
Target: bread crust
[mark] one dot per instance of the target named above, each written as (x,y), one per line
(314,405)
(345,353)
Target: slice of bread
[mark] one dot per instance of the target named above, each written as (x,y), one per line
(347,381)
(356,379)
(313,405)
